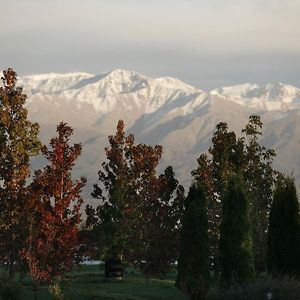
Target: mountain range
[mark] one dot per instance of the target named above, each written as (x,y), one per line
(165,111)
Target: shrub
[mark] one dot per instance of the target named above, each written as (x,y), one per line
(9,290)
(282,289)
(56,292)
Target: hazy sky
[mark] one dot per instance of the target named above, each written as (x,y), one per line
(208,43)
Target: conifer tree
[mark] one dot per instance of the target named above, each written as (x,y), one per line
(236,257)
(18,142)
(226,158)
(193,261)
(230,156)
(284,231)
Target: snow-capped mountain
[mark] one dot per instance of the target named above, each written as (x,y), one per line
(163,111)
(270,97)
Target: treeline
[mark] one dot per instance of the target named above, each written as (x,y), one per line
(240,217)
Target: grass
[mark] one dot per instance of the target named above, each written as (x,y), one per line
(282,289)
(88,284)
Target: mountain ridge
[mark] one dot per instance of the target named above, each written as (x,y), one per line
(164,110)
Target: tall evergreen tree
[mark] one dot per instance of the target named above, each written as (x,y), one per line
(236,257)
(193,261)
(18,142)
(226,159)
(230,156)
(284,231)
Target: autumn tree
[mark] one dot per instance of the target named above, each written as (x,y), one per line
(161,205)
(18,143)
(284,231)
(235,245)
(193,261)
(137,208)
(55,204)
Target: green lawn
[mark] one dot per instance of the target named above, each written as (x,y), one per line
(88,283)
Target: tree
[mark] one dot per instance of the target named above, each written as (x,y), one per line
(115,192)
(260,178)
(18,143)
(284,231)
(55,204)
(226,158)
(193,261)
(236,257)
(138,216)
(231,156)
(159,237)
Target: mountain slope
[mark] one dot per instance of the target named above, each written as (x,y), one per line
(164,110)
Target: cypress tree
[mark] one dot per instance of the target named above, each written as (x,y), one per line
(193,261)
(236,257)
(284,231)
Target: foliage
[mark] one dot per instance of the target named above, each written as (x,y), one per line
(115,192)
(259,182)
(227,155)
(55,205)
(193,261)
(284,231)
(236,257)
(138,216)
(18,142)
(56,292)
(161,225)
(231,156)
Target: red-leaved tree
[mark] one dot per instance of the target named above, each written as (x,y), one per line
(55,204)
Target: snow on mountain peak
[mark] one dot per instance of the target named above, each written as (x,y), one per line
(49,83)
(175,83)
(108,90)
(270,97)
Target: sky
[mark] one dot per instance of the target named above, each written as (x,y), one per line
(206,43)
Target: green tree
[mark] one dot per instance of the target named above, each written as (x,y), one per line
(18,143)
(115,191)
(236,257)
(193,261)
(259,178)
(246,156)
(284,231)
(213,173)
(138,217)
